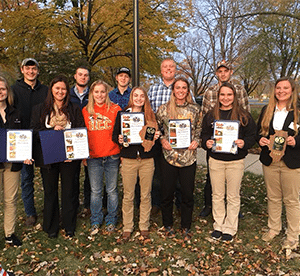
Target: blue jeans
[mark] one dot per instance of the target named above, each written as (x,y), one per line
(27,175)
(98,167)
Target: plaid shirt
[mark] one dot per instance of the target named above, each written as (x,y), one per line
(210,97)
(160,94)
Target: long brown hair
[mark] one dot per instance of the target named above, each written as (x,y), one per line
(91,101)
(10,98)
(49,102)
(149,114)
(172,107)
(237,112)
(291,105)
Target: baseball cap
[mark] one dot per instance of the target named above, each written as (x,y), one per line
(29,61)
(223,63)
(124,70)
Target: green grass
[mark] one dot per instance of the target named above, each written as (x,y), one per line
(103,254)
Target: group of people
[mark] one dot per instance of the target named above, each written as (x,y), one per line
(160,169)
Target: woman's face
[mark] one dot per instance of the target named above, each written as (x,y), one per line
(283,91)
(3,91)
(99,94)
(226,98)
(59,91)
(138,98)
(180,90)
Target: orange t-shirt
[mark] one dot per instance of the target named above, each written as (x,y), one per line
(100,127)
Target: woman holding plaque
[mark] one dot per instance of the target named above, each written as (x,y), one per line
(9,172)
(180,121)
(226,165)
(279,139)
(57,113)
(100,115)
(137,159)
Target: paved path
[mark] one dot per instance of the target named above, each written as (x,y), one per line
(252,163)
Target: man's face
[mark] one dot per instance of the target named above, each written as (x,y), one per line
(82,77)
(30,72)
(168,70)
(123,80)
(223,74)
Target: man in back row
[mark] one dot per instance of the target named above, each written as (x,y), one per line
(28,92)
(223,73)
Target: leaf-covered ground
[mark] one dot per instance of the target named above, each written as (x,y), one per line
(106,254)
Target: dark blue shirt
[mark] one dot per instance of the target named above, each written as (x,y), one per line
(117,98)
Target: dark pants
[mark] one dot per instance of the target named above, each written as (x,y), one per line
(186,176)
(207,187)
(86,187)
(66,170)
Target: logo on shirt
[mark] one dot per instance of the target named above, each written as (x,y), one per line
(99,122)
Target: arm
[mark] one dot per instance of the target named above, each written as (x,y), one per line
(206,132)
(261,140)
(249,136)
(117,129)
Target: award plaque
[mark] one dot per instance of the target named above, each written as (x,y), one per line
(277,145)
(147,135)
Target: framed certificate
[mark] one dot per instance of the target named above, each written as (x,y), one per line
(225,132)
(180,133)
(16,145)
(131,125)
(70,144)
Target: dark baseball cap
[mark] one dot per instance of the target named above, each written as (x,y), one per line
(124,70)
(29,61)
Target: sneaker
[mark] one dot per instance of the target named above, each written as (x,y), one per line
(268,236)
(14,240)
(227,237)
(110,228)
(169,231)
(186,234)
(95,229)
(288,244)
(216,235)
(206,211)
(31,221)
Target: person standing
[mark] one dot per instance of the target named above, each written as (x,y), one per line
(178,163)
(28,92)
(282,174)
(120,95)
(79,94)
(227,167)
(57,113)
(223,73)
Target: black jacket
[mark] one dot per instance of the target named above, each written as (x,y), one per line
(26,97)
(13,121)
(292,154)
(37,125)
(247,133)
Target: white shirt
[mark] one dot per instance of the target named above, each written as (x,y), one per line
(279,118)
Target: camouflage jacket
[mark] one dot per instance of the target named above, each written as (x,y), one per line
(180,157)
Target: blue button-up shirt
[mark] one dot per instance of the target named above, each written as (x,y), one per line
(117,98)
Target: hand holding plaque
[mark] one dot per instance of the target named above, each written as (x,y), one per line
(277,145)
(147,135)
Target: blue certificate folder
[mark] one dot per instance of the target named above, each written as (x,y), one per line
(53,146)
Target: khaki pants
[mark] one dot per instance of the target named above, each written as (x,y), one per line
(226,216)
(283,184)
(9,182)
(131,168)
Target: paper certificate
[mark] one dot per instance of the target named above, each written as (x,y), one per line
(180,133)
(131,125)
(76,143)
(18,145)
(225,133)
(58,146)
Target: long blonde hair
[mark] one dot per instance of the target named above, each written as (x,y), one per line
(291,105)
(10,98)
(91,102)
(172,107)
(149,114)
